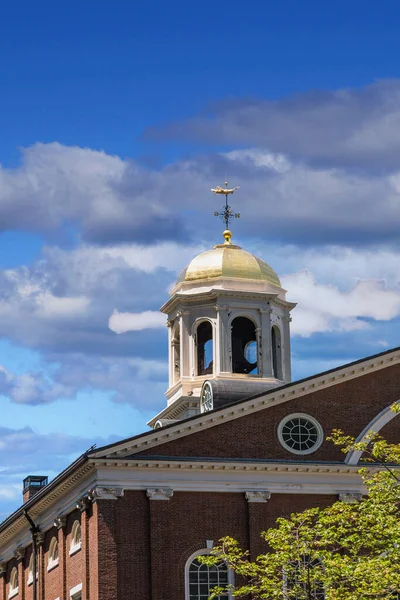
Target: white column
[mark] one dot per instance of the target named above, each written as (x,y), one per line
(185,343)
(287,363)
(265,349)
(223,341)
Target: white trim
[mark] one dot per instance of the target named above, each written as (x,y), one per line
(75,590)
(52,564)
(312,420)
(381,419)
(189,561)
(274,397)
(74,549)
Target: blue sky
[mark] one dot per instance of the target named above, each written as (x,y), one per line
(116,119)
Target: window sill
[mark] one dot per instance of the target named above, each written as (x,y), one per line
(30,579)
(52,565)
(74,549)
(13,593)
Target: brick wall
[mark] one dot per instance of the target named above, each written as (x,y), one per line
(350,406)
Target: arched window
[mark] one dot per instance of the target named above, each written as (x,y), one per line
(276,352)
(205,349)
(13,587)
(30,570)
(176,352)
(201,579)
(302,580)
(244,346)
(53,554)
(76,537)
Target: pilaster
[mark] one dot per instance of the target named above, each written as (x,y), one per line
(3,582)
(41,566)
(257,517)
(19,554)
(160,523)
(61,522)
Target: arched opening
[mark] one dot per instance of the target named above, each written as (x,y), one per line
(303,579)
(205,349)
(244,346)
(176,353)
(53,554)
(201,579)
(76,537)
(276,352)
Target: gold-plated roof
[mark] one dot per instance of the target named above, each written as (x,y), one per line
(228,260)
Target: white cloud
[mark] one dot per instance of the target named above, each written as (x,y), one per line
(323,308)
(121,322)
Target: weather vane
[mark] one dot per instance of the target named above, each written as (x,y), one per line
(226,214)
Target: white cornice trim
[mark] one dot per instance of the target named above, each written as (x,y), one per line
(270,398)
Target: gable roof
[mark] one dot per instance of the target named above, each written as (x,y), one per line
(260,401)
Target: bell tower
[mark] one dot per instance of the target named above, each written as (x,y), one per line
(229,329)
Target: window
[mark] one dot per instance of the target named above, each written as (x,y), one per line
(75,593)
(276,352)
(244,346)
(53,554)
(201,579)
(206,397)
(13,587)
(76,538)
(300,434)
(30,570)
(301,582)
(204,348)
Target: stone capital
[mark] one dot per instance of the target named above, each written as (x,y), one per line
(3,568)
(39,538)
(106,493)
(350,497)
(159,493)
(60,521)
(19,553)
(258,496)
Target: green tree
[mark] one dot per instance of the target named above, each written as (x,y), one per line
(348,551)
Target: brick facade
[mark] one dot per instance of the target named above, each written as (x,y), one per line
(139,532)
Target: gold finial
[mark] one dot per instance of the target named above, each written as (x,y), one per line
(227,236)
(227,213)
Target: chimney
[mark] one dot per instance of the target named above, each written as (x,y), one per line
(32,485)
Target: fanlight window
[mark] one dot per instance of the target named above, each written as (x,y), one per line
(202,579)
(204,348)
(53,554)
(76,537)
(244,346)
(13,588)
(302,580)
(300,433)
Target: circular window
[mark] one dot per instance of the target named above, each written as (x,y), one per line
(300,434)
(206,397)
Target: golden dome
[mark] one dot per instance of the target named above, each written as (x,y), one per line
(228,260)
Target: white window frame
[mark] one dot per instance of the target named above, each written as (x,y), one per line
(75,593)
(314,421)
(189,561)
(52,563)
(13,591)
(75,547)
(30,571)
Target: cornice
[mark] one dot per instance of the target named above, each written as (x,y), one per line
(205,465)
(272,397)
(19,524)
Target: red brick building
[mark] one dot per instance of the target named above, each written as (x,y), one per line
(238,445)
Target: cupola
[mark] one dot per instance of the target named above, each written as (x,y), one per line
(229,330)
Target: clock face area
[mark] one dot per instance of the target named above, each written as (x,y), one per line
(206,397)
